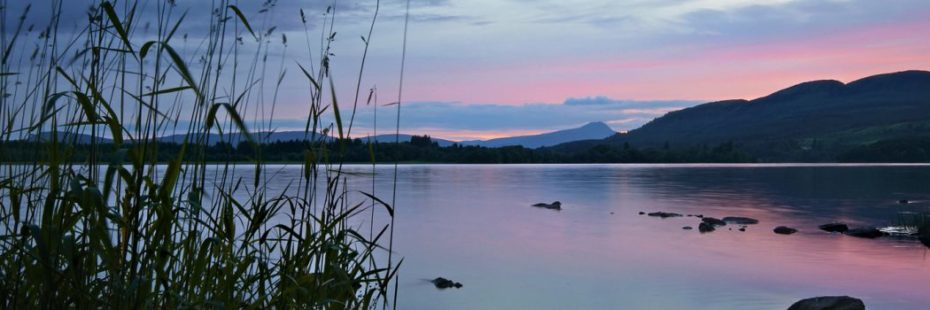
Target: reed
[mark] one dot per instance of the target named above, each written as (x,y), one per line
(130,232)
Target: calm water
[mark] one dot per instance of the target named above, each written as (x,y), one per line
(474,224)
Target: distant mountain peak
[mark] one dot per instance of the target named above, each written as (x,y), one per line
(589,131)
(596,125)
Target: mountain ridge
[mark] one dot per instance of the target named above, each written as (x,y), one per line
(785,121)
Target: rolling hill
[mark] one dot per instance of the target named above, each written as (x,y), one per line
(813,121)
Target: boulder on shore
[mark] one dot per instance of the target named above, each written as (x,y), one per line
(829,303)
(713,221)
(834,227)
(664,214)
(555,205)
(740,220)
(443,283)
(705,228)
(785,230)
(868,232)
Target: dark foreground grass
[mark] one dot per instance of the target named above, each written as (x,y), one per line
(116,229)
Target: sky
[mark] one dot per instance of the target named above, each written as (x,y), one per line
(490,68)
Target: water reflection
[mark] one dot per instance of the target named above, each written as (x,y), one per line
(474,224)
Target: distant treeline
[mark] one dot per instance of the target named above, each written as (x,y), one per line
(418,149)
(905,150)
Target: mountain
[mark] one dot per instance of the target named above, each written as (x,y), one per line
(68,137)
(809,121)
(590,131)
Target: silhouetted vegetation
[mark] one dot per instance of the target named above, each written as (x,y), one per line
(418,149)
(911,150)
(127,222)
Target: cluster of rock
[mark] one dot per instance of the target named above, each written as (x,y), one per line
(707,224)
(710,224)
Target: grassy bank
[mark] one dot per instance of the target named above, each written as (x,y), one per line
(106,228)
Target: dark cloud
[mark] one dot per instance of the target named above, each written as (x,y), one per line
(283,14)
(798,18)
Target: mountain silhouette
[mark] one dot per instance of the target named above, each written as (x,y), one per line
(818,118)
(593,130)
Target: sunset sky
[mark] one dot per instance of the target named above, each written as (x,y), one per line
(493,55)
(490,68)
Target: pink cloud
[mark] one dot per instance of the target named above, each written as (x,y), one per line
(697,72)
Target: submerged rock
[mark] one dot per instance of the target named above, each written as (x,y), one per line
(868,232)
(664,214)
(705,228)
(555,205)
(713,221)
(829,303)
(740,220)
(834,227)
(443,283)
(785,230)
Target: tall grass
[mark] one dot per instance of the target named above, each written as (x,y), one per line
(136,233)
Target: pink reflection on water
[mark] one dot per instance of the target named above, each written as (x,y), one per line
(475,224)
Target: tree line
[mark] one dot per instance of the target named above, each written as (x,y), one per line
(419,149)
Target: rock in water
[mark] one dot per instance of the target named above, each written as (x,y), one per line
(869,233)
(834,227)
(555,205)
(904,201)
(687,228)
(829,303)
(740,220)
(785,230)
(705,228)
(713,221)
(444,283)
(664,214)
